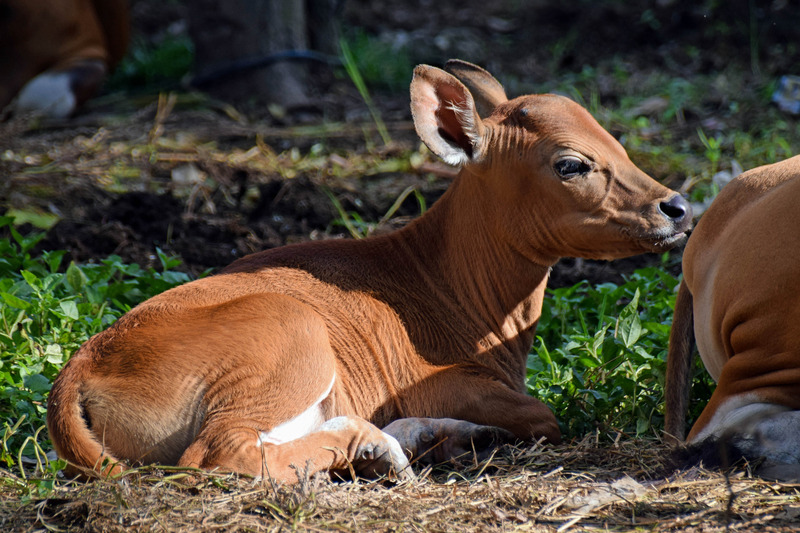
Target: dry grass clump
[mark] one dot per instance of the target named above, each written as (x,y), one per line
(582,486)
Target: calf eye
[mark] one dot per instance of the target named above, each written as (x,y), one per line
(570,166)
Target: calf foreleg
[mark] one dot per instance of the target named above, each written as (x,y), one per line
(466,409)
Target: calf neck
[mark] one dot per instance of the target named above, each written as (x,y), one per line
(296,356)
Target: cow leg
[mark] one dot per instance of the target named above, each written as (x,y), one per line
(472,394)
(745,426)
(776,439)
(60,52)
(339,444)
(436,440)
(59,92)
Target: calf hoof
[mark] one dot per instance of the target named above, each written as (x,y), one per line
(437,440)
(383,458)
(375,453)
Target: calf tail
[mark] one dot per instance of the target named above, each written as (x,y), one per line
(679,366)
(69,431)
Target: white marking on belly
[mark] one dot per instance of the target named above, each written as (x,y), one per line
(301,425)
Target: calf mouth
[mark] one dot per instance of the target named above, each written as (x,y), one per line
(667,236)
(661,241)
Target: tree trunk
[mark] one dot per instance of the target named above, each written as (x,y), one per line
(227,31)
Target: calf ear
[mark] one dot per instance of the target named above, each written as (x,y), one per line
(445,116)
(485,89)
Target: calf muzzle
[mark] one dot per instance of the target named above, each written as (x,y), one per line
(678,211)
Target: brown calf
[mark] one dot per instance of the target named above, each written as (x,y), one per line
(54,54)
(740,301)
(297,355)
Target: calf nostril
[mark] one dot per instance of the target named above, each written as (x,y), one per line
(676,208)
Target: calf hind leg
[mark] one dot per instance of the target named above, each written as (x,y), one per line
(339,444)
(266,415)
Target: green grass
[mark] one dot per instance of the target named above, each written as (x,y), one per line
(351,66)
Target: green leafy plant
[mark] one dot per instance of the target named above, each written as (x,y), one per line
(600,357)
(713,149)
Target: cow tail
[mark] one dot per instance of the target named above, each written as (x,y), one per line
(679,366)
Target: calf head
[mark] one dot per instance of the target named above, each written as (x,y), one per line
(551,180)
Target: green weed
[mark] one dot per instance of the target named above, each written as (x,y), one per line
(713,150)
(600,356)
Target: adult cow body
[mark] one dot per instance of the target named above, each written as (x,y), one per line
(294,357)
(55,54)
(740,300)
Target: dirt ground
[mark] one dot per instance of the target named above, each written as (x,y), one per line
(211,181)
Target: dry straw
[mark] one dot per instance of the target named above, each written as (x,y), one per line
(582,486)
